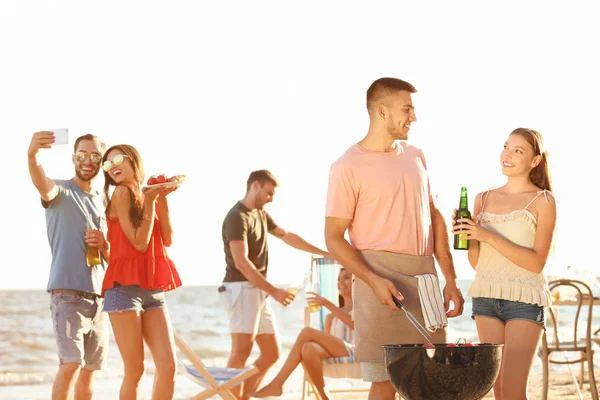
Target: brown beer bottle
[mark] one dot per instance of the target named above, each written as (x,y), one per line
(463,212)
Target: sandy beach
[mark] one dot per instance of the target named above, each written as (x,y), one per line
(28,349)
(561,387)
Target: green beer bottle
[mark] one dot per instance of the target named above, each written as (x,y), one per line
(462,212)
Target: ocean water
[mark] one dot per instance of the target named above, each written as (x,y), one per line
(28,349)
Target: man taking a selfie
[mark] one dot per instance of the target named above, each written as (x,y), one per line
(74,220)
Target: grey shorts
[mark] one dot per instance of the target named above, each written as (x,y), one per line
(81,330)
(374,372)
(133,298)
(506,310)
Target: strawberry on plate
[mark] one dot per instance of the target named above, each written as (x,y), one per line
(162,178)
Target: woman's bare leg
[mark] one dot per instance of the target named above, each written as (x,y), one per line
(334,347)
(159,337)
(127,328)
(312,360)
(520,346)
(491,330)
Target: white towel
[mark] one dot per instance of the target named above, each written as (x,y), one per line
(432,303)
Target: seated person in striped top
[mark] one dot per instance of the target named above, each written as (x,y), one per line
(313,345)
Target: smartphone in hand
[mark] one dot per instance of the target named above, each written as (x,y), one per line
(61,136)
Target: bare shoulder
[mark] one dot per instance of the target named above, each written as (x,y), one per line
(121,194)
(545,202)
(483,195)
(479,197)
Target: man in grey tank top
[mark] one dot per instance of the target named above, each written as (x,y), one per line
(74,218)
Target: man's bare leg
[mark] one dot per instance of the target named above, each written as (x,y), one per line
(241,346)
(85,385)
(64,382)
(269,354)
(382,391)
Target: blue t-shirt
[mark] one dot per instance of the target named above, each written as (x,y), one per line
(66,217)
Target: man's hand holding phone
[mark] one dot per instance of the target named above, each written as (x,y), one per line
(45,140)
(61,136)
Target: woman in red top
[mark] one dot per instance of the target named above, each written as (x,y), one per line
(139,271)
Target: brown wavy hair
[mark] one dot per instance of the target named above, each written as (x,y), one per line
(540,175)
(136,209)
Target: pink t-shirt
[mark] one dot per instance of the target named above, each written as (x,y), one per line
(387,196)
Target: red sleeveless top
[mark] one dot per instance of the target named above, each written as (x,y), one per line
(151,270)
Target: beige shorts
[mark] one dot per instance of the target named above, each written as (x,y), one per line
(249,309)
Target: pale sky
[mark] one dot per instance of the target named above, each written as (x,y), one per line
(217,89)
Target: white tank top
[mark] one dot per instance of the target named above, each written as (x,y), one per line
(497,277)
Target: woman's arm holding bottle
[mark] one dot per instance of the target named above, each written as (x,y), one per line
(335,310)
(473,252)
(533,259)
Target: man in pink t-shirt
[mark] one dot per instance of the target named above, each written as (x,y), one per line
(379,192)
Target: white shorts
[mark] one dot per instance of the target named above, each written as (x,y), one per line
(249,309)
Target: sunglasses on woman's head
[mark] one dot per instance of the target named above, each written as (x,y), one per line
(116,161)
(82,156)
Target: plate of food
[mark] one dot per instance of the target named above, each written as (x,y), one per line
(163,181)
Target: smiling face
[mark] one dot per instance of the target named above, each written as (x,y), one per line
(122,164)
(344,283)
(118,167)
(518,157)
(399,114)
(87,158)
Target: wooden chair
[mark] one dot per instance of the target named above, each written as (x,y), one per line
(214,380)
(576,343)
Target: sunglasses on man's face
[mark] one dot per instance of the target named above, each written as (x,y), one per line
(116,161)
(82,156)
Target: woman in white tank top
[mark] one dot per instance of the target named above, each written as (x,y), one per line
(510,240)
(313,345)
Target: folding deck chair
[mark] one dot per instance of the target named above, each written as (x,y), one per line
(216,381)
(324,275)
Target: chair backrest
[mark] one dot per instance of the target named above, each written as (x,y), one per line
(323,277)
(579,295)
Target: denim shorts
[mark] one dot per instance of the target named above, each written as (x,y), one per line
(81,330)
(506,310)
(133,298)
